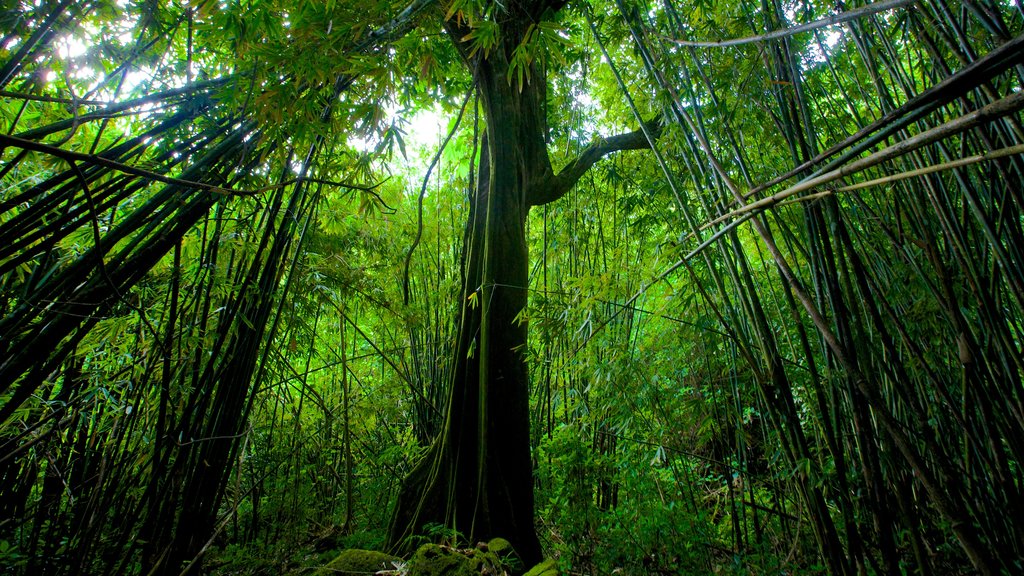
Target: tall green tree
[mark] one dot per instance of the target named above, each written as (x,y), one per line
(477,476)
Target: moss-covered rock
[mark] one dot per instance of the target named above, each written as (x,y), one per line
(437,560)
(545,568)
(501,547)
(357,563)
(506,555)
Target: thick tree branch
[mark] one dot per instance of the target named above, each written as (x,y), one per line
(556,185)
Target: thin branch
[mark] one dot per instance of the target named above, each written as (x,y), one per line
(423,192)
(783,198)
(993,111)
(958,163)
(830,21)
(950,88)
(51,99)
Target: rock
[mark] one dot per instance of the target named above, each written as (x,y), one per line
(358,563)
(507,555)
(438,560)
(501,547)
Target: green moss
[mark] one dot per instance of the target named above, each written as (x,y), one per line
(357,563)
(435,560)
(501,547)
(545,568)
(506,554)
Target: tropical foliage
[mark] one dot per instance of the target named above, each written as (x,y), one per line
(256,289)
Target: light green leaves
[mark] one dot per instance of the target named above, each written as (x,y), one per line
(545,37)
(484,36)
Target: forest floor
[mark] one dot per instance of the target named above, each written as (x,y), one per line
(330,556)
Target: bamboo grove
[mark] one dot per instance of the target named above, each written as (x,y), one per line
(783,336)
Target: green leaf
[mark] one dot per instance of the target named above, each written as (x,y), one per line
(484,36)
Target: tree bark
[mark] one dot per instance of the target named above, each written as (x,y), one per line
(477,477)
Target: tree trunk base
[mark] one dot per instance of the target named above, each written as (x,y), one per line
(435,497)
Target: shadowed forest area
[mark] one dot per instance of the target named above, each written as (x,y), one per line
(589,287)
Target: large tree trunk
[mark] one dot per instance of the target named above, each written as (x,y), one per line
(477,477)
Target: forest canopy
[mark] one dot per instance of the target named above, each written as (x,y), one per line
(600,286)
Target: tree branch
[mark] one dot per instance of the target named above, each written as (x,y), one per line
(557,185)
(398,27)
(829,21)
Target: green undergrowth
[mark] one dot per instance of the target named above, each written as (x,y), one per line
(495,558)
(355,562)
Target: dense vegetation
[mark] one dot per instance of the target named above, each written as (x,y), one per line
(267,268)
